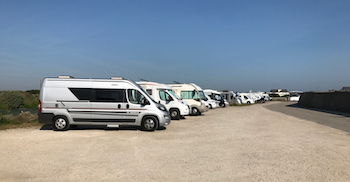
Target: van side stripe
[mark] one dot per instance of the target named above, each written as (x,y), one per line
(104,120)
(107,108)
(96,112)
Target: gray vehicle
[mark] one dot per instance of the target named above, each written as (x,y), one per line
(66,101)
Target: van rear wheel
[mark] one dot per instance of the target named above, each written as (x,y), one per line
(195,111)
(149,123)
(175,114)
(60,123)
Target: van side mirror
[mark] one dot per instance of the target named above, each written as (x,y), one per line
(144,101)
(169,99)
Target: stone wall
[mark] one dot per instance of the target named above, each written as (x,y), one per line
(333,101)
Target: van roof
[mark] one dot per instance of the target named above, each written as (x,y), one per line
(155,84)
(71,77)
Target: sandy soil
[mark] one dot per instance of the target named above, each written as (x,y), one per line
(248,143)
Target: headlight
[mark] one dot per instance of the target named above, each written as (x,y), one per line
(162,108)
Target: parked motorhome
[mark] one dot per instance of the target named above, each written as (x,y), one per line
(213,94)
(193,95)
(295,96)
(164,94)
(67,101)
(245,98)
(279,93)
(211,103)
(230,96)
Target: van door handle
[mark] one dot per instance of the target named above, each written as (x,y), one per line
(119,106)
(127,106)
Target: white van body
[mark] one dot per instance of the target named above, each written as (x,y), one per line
(66,101)
(193,95)
(245,98)
(164,94)
(295,96)
(213,94)
(211,103)
(230,96)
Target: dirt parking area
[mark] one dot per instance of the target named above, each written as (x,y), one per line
(248,143)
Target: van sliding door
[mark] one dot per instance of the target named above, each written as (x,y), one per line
(108,106)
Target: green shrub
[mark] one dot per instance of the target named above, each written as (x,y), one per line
(31,100)
(33,91)
(11,100)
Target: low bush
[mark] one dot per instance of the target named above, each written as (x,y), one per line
(30,100)
(11,100)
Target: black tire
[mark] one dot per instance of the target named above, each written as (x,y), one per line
(175,114)
(210,107)
(194,111)
(149,123)
(248,102)
(60,123)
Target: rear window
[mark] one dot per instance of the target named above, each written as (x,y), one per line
(99,95)
(82,93)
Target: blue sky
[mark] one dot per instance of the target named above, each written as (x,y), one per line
(232,45)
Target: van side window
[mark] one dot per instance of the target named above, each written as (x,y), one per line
(81,93)
(110,95)
(189,95)
(134,96)
(163,95)
(149,91)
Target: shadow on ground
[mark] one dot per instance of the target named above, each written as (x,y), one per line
(337,120)
(320,110)
(97,127)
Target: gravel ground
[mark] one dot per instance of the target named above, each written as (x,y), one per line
(248,143)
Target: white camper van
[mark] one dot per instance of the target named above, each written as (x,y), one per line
(66,101)
(193,95)
(211,103)
(164,94)
(213,94)
(245,98)
(230,96)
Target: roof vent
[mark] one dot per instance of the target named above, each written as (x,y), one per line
(117,78)
(65,76)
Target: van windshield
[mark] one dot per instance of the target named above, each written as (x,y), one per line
(201,93)
(173,94)
(144,92)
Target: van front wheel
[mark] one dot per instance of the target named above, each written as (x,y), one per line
(149,123)
(195,111)
(60,123)
(175,114)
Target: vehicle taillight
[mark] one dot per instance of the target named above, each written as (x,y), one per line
(40,106)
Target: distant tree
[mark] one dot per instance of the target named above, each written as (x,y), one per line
(11,100)
(31,99)
(33,91)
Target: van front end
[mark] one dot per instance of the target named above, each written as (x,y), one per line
(184,110)
(203,108)
(164,119)
(167,119)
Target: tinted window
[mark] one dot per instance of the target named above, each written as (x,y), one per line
(110,95)
(149,91)
(81,93)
